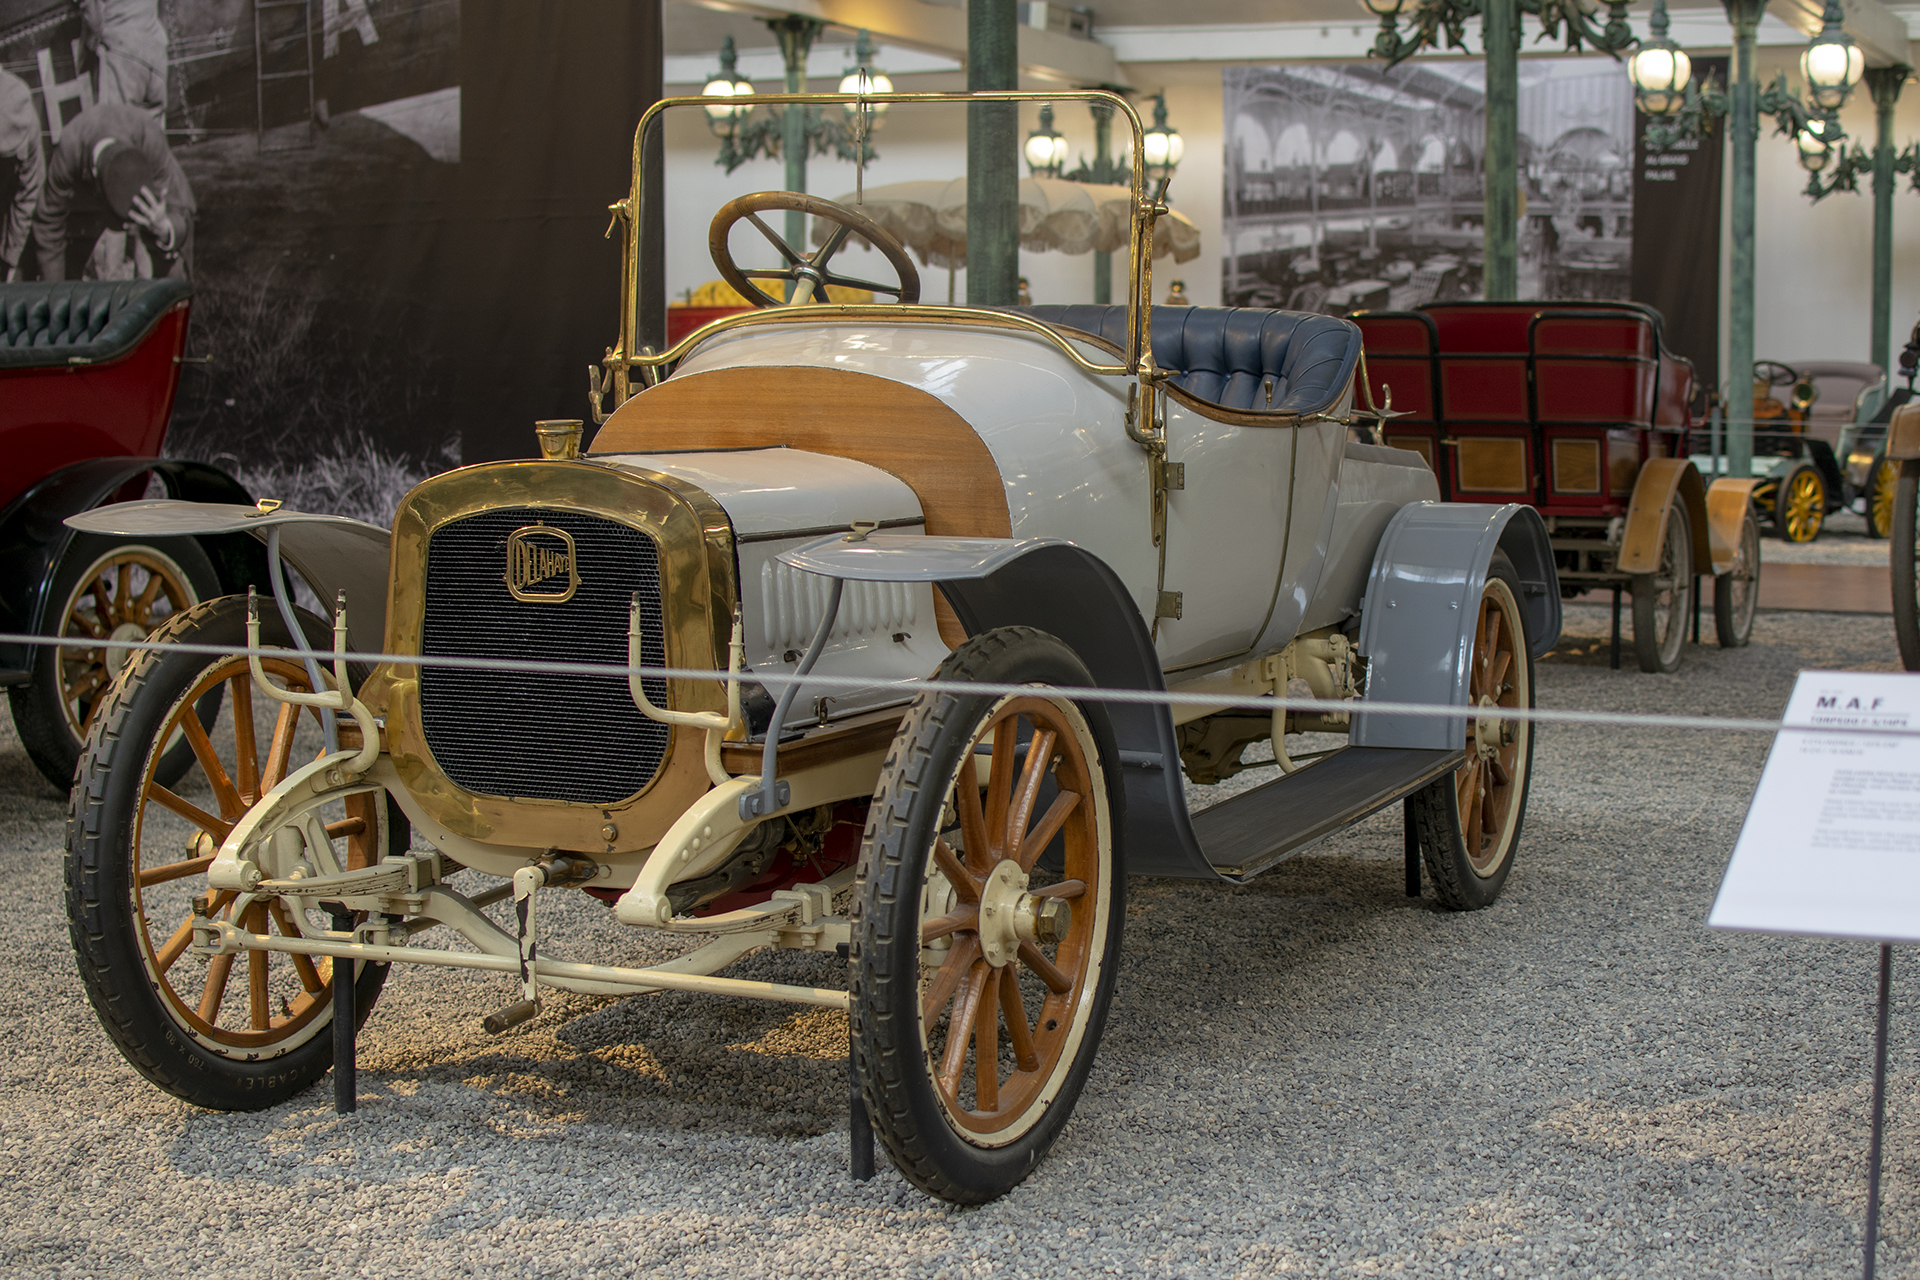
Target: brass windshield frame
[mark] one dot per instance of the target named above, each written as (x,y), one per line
(627,355)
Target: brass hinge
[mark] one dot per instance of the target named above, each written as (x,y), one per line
(1169,605)
(1176,475)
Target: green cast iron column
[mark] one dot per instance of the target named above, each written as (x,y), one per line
(1500,33)
(1884,83)
(1103,172)
(796,36)
(1744,134)
(993,156)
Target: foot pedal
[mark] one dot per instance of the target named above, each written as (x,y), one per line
(510,1017)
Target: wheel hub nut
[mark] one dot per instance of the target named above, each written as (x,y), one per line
(1052,918)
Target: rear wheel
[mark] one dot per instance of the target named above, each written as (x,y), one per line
(1800,504)
(104,589)
(1663,599)
(1736,593)
(232,1032)
(981,977)
(1469,822)
(1903,561)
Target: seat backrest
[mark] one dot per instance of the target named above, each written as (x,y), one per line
(1248,359)
(1482,360)
(1400,350)
(1594,366)
(55,323)
(1842,384)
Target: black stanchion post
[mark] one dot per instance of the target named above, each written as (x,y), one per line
(859,1126)
(1879,1108)
(1696,608)
(1613,653)
(346,1070)
(1412,837)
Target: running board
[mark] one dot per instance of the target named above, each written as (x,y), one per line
(1256,829)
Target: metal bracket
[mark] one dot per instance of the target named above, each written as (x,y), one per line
(772,794)
(1169,605)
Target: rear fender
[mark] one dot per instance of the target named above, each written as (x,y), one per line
(1416,623)
(34,535)
(332,553)
(1662,482)
(1071,594)
(1727,503)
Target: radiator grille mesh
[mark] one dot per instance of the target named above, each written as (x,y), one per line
(537,735)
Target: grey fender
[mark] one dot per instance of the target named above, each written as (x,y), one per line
(332,553)
(34,535)
(1071,594)
(1416,622)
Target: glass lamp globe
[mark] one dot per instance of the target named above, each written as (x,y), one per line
(1831,66)
(1813,146)
(865,81)
(1385,10)
(1660,71)
(1045,150)
(1161,146)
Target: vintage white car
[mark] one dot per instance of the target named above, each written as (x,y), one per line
(590,684)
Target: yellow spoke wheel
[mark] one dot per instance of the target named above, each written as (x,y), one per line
(1882,486)
(1800,506)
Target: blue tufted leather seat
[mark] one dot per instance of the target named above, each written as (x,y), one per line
(1244,358)
(46,323)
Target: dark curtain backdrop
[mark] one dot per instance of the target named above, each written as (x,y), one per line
(1676,237)
(527,284)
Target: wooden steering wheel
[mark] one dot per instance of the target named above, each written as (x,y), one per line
(808,272)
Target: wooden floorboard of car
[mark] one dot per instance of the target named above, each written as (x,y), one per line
(1247,833)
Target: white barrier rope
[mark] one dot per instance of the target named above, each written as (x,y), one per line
(1148,697)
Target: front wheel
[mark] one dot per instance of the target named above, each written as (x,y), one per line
(1800,504)
(1903,562)
(986,924)
(1663,599)
(1736,593)
(1883,482)
(229,1032)
(1469,823)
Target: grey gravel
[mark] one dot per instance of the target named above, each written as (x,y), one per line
(1311,1075)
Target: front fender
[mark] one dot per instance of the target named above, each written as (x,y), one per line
(1662,482)
(34,534)
(332,553)
(1417,620)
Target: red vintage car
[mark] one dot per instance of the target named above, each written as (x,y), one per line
(88,371)
(1579,410)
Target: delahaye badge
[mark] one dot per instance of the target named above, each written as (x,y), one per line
(536,556)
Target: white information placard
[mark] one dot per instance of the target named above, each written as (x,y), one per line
(1831,843)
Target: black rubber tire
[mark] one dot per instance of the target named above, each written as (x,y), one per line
(1903,560)
(102,921)
(1659,650)
(1736,593)
(1457,882)
(39,712)
(889,1051)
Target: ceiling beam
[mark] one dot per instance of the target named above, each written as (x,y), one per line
(936,28)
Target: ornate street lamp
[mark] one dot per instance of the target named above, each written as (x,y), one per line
(1833,63)
(1660,70)
(861,79)
(723,117)
(1161,147)
(1045,149)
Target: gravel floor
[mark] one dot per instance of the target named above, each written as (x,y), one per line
(1310,1075)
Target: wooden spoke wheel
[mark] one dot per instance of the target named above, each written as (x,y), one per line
(233,1032)
(1903,562)
(809,273)
(1883,482)
(987,922)
(1469,823)
(1800,505)
(102,590)
(1663,599)
(1736,593)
